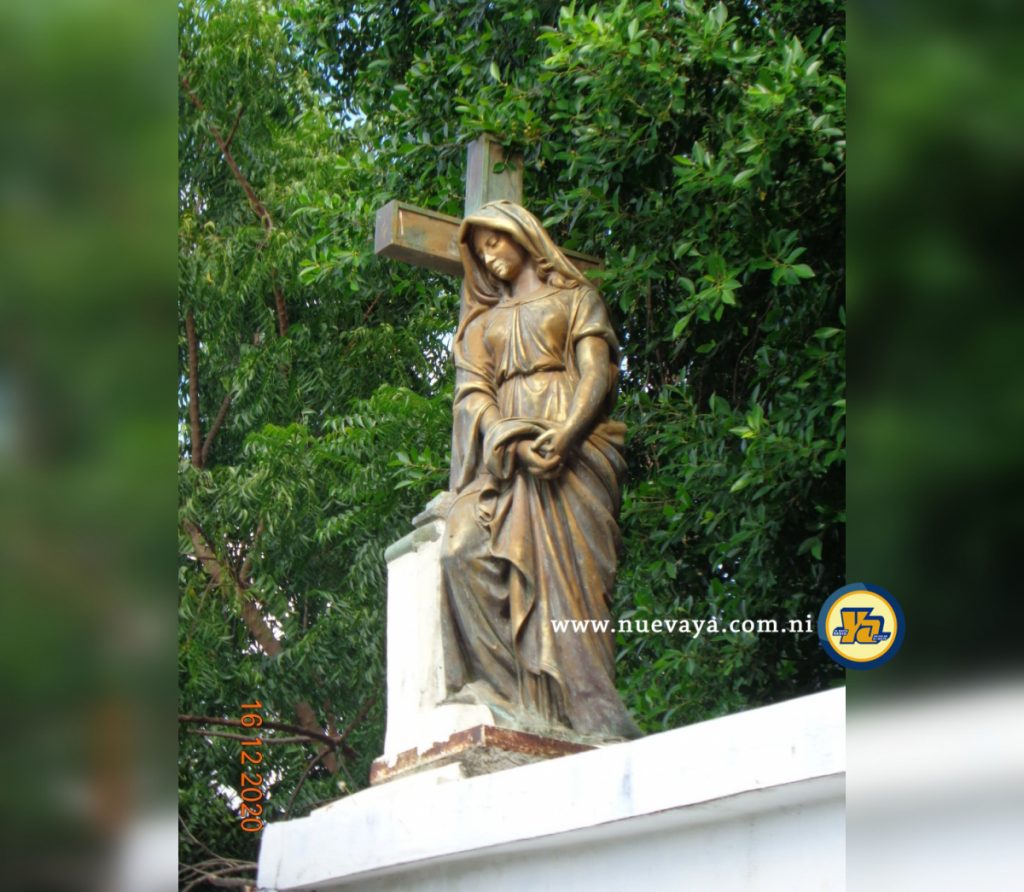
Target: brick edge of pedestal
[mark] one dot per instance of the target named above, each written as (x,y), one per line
(520,747)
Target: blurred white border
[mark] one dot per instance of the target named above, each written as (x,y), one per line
(935,793)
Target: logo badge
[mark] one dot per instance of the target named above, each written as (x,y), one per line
(861,626)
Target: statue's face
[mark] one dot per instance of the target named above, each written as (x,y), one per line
(500,253)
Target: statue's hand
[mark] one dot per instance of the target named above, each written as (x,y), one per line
(557,442)
(546,467)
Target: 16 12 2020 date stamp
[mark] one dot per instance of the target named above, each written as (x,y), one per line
(251,779)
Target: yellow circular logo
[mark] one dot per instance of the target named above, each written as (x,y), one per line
(861,626)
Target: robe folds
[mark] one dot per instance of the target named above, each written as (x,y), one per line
(521,552)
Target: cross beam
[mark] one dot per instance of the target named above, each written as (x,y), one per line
(429,239)
(418,236)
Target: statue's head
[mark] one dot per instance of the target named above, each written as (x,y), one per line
(500,235)
(498,252)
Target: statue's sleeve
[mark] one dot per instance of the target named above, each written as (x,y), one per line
(590,319)
(474,392)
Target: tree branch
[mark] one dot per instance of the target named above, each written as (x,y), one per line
(219,877)
(257,626)
(202,732)
(245,572)
(254,620)
(370,308)
(358,720)
(259,630)
(193,389)
(305,774)
(219,864)
(196,840)
(282,313)
(275,726)
(257,206)
(739,356)
(332,742)
(205,554)
(214,428)
(222,882)
(234,127)
(307,718)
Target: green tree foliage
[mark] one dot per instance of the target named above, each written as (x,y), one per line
(697,148)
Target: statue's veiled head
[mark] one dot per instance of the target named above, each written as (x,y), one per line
(484,282)
(498,252)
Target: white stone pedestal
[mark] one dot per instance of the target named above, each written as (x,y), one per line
(751,802)
(416,657)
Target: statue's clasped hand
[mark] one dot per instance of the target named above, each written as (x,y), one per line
(544,457)
(546,467)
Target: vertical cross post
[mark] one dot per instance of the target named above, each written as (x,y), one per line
(482,183)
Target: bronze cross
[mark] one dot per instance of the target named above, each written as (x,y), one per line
(426,238)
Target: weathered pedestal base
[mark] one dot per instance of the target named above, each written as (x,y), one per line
(419,716)
(426,728)
(478,750)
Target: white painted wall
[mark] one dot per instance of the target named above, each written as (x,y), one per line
(753,801)
(720,847)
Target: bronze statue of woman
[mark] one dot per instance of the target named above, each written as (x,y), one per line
(532,536)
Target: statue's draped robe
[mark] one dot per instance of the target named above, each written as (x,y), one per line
(521,551)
